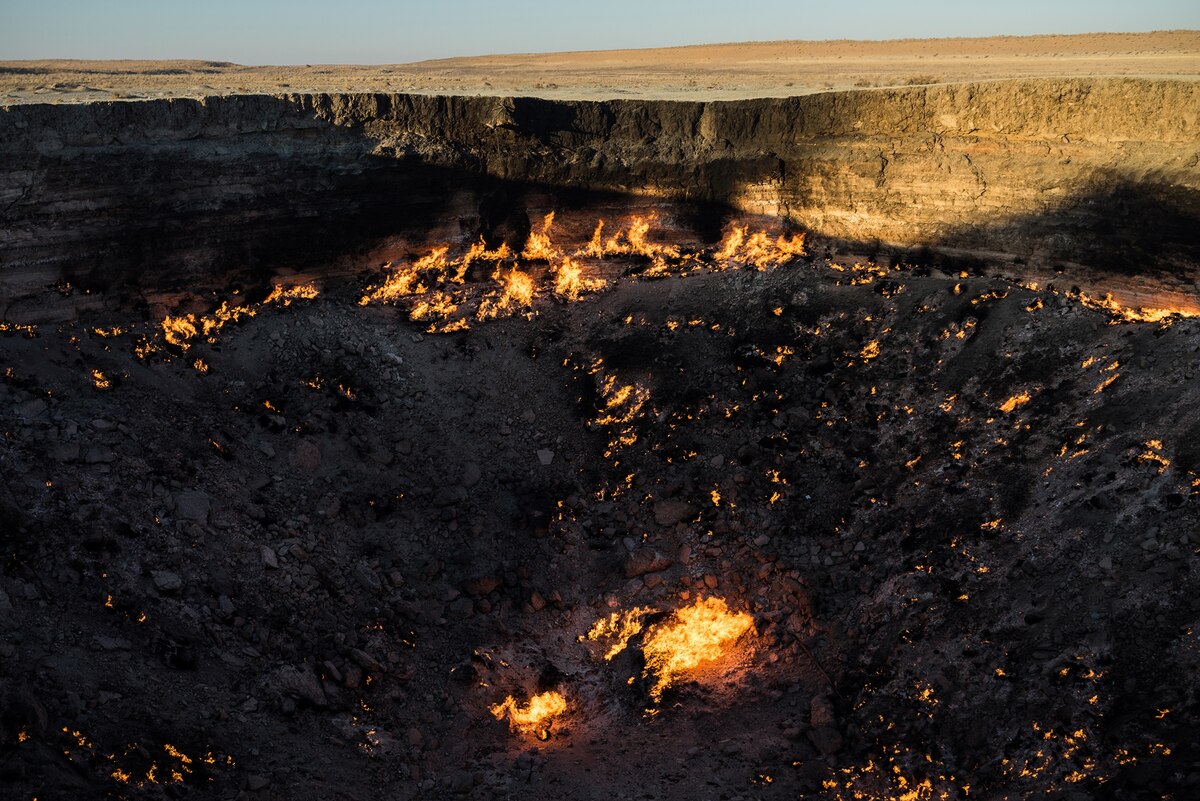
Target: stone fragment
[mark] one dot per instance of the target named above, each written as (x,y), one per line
(166,581)
(482,585)
(826,739)
(193,505)
(305,457)
(303,685)
(645,560)
(367,577)
(669,512)
(472,475)
(366,661)
(99,454)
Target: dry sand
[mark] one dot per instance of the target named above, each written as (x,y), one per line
(703,72)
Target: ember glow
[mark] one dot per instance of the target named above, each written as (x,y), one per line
(535,718)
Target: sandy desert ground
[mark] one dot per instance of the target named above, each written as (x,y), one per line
(709,72)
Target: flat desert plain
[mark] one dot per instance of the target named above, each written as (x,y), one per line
(703,72)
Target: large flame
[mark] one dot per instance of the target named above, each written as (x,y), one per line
(539,247)
(515,293)
(570,283)
(534,718)
(1132,314)
(618,629)
(757,249)
(633,242)
(691,637)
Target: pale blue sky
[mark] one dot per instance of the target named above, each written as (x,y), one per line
(376,31)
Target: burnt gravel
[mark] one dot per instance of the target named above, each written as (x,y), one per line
(311,569)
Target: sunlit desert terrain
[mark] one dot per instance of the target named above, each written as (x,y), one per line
(708,72)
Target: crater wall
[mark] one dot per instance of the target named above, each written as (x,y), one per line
(1104,173)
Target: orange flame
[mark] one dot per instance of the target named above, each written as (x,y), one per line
(757,249)
(619,628)
(284,296)
(537,717)
(1131,314)
(179,331)
(569,282)
(635,242)
(516,292)
(691,637)
(1013,402)
(539,247)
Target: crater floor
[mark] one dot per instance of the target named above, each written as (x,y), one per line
(303,554)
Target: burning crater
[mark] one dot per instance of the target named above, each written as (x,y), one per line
(565,493)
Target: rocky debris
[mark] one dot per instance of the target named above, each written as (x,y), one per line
(166,582)
(193,505)
(301,684)
(483,585)
(360,621)
(645,560)
(670,512)
(305,457)
(472,474)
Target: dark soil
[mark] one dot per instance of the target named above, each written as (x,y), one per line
(308,572)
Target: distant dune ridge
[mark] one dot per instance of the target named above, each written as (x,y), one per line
(700,72)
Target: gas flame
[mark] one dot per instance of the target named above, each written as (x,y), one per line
(1131,314)
(539,247)
(757,249)
(409,279)
(633,242)
(569,282)
(691,637)
(284,296)
(618,628)
(537,717)
(686,641)
(1153,455)
(179,331)
(1013,402)
(516,292)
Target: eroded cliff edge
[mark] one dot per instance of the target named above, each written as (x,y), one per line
(1104,173)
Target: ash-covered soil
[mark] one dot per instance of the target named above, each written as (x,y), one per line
(306,559)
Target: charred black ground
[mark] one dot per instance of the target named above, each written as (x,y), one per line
(304,559)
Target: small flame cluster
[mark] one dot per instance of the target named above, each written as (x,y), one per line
(180,331)
(435,286)
(535,718)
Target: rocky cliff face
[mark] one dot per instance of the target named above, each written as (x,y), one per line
(1101,172)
